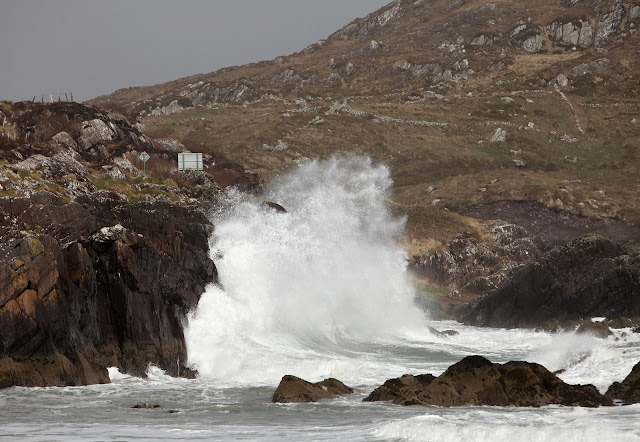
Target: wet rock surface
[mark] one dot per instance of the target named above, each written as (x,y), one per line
(589,277)
(477,381)
(94,283)
(294,389)
(628,391)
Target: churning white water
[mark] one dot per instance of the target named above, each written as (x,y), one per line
(301,290)
(320,291)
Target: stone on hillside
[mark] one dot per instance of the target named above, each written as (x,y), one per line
(499,135)
(496,66)
(333,79)
(116,173)
(317,121)
(170,145)
(519,163)
(628,390)
(331,63)
(600,65)
(388,15)
(295,390)
(171,108)
(374,44)
(609,23)
(66,140)
(481,41)
(350,69)
(401,65)
(634,13)
(562,80)
(94,132)
(280,147)
(124,164)
(477,381)
(575,34)
(533,43)
(287,76)
(507,100)
(336,108)
(57,166)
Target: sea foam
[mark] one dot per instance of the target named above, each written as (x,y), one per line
(298,290)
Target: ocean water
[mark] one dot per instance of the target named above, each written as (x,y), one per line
(323,291)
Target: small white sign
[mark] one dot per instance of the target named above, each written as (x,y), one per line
(190,161)
(144,157)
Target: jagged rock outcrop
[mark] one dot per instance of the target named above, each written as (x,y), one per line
(609,23)
(80,132)
(589,277)
(477,381)
(628,391)
(470,266)
(575,33)
(94,283)
(294,389)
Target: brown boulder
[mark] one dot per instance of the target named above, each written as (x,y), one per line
(477,381)
(294,389)
(407,386)
(628,390)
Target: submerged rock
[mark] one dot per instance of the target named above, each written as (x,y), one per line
(294,389)
(477,381)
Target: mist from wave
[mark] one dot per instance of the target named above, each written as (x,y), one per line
(304,290)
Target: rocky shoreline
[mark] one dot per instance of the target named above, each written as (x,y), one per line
(103,283)
(473,381)
(100,264)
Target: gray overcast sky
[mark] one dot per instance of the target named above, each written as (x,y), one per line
(93,47)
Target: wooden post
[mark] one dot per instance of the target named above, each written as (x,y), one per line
(66,97)
(51,96)
(71,95)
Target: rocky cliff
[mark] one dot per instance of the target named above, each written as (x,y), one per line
(89,277)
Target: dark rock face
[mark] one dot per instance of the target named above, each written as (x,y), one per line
(628,390)
(477,381)
(94,283)
(294,389)
(589,277)
(401,389)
